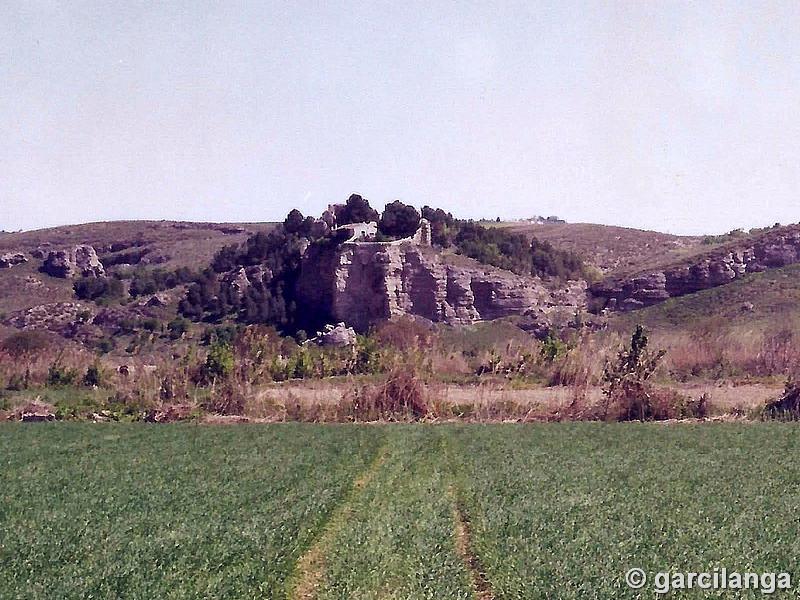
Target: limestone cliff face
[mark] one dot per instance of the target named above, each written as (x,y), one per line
(363,283)
(776,248)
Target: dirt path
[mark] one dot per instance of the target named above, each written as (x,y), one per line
(311,566)
(481,587)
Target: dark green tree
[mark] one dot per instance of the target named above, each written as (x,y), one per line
(399,220)
(293,222)
(356,210)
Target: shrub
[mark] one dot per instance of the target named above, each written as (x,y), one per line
(787,407)
(548,261)
(367,359)
(177,328)
(150,324)
(552,347)
(93,376)
(19,381)
(105,345)
(149,281)
(226,399)
(98,289)
(219,362)
(26,342)
(627,391)
(225,334)
(400,396)
(58,375)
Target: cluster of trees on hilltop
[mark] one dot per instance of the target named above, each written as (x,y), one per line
(502,248)
(272,300)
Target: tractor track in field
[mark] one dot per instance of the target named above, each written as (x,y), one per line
(481,587)
(311,566)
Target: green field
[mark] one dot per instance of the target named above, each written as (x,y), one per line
(395,511)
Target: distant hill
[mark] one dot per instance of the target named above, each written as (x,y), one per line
(611,248)
(180,243)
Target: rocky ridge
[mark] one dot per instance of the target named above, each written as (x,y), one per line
(776,248)
(361,283)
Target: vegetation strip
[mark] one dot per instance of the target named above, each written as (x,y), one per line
(481,586)
(311,565)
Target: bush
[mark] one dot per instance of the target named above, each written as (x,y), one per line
(552,347)
(149,281)
(105,345)
(26,342)
(18,381)
(548,261)
(58,375)
(93,376)
(399,397)
(219,362)
(150,324)
(98,289)
(227,399)
(177,328)
(628,394)
(787,407)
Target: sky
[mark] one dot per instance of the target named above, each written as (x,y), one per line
(681,117)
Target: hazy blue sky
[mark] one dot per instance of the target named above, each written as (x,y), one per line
(676,116)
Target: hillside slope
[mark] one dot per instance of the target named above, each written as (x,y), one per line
(650,284)
(756,301)
(162,244)
(611,248)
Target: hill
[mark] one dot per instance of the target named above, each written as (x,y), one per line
(611,248)
(151,244)
(756,301)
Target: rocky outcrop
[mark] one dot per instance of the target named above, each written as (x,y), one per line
(11,259)
(78,261)
(777,248)
(339,336)
(363,283)
(240,280)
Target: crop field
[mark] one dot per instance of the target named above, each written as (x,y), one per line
(391,511)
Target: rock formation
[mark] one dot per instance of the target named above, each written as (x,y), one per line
(11,259)
(239,280)
(78,261)
(776,248)
(340,336)
(361,283)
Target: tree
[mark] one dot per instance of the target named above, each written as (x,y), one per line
(399,220)
(356,210)
(443,226)
(293,222)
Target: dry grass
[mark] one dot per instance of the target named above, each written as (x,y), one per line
(610,248)
(724,353)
